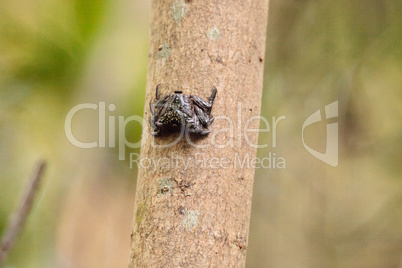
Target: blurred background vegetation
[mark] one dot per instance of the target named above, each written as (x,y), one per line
(57,54)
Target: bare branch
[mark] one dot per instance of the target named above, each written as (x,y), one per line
(193,202)
(18,220)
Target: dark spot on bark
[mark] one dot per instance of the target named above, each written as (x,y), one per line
(184,185)
(251,110)
(241,178)
(261,59)
(240,242)
(165,189)
(181,210)
(218,59)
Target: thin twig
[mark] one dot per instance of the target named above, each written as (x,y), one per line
(18,220)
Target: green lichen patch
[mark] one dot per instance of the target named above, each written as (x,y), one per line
(179,10)
(190,219)
(165,185)
(213,33)
(163,51)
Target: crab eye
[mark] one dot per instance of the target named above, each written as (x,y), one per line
(178,92)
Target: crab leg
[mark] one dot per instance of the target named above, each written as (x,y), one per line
(206,106)
(213,95)
(151,107)
(157,92)
(197,128)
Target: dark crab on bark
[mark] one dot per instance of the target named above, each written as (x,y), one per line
(179,111)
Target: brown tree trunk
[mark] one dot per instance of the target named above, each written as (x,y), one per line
(192,206)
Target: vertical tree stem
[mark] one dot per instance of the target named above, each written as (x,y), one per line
(192,205)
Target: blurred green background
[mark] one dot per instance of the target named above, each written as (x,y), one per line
(57,54)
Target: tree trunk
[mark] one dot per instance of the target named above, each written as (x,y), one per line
(193,200)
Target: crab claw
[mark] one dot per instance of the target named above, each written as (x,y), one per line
(213,95)
(210,120)
(203,133)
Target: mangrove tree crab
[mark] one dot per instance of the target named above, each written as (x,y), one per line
(180,111)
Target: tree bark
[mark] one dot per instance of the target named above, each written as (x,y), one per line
(192,205)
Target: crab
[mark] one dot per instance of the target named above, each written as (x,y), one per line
(181,111)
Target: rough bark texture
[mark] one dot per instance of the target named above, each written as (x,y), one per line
(192,206)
